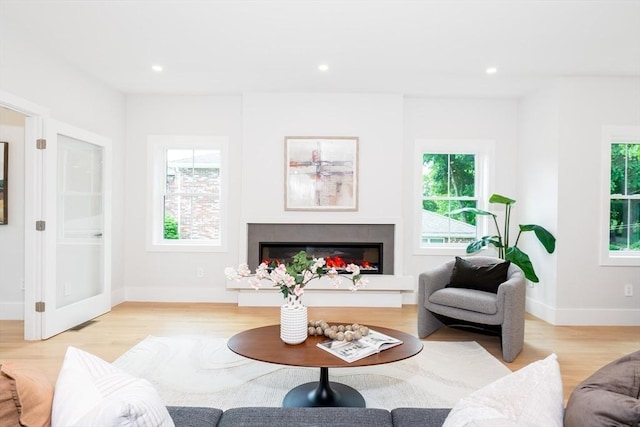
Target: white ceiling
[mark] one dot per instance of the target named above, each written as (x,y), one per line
(431,48)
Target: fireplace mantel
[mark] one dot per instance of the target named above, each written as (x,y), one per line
(383,290)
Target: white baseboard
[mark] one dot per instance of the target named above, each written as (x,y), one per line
(117,296)
(598,317)
(12,311)
(583,316)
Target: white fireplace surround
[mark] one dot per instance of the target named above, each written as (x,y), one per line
(383,290)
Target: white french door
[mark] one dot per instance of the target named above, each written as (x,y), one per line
(75,241)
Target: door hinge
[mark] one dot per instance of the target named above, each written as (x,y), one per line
(41,225)
(40,307)
(41,144)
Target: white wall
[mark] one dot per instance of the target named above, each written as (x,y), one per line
(467,119)
(171,276)
(589,293)
(12,233)
(561,136)
(537,178)
(376,119)
(75,98)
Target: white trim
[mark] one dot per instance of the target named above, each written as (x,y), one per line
(612,134)
(156,146)
(484,150)
(32,266)
(583,316)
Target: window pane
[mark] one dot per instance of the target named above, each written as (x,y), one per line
(192,217)
(633,169)
(448,184)
(617,235)
(435,175)
(624,229)
(618,156)
(437,226)
(634,227)
(462,175)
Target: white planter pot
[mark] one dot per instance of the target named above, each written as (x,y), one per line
(293,323)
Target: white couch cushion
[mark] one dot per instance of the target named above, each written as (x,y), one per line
(529,397)
(92,392)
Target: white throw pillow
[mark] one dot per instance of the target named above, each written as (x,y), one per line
(92,392)
(531,396)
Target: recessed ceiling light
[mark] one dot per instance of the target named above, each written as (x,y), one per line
(491,70)
(157,68)
(323,67)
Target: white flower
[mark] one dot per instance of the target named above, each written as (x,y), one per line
(334,277)
(307,276)
(243,270)
(298,290)
(262,272)
(360,283)
(352,268)
(317,263)
(255,282)
(231,273)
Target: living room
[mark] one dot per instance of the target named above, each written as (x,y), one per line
(545,119)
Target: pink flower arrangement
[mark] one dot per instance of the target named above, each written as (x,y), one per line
(291,278)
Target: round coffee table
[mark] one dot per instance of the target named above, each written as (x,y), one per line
(264,344)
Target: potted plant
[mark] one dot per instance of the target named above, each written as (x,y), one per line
(501,240)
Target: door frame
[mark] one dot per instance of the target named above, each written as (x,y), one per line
(33,265)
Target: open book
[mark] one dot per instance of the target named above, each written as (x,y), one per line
(350,351)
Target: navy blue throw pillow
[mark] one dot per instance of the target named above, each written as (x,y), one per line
(485,278)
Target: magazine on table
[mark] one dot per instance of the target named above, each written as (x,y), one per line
(350,351)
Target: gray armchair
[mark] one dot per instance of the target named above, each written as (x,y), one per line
(502,312)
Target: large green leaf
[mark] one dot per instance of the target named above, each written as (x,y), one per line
(497,198)
(546,238)
(484,241)
(471,210)
(519,258)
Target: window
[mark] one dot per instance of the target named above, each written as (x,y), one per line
(187,189)
(451,175)
(623,196)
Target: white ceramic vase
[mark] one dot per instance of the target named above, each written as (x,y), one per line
(293,321)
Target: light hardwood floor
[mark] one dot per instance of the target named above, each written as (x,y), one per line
(581,350)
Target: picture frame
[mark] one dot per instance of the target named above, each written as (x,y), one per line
(321,173)
(4,174)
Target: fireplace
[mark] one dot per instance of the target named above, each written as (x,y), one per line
(367,256)
(371,246)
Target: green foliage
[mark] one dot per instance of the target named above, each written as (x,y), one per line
(449,176)
(624,182)
(170,228)
(501,240)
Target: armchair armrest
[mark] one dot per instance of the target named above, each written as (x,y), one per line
(434,279)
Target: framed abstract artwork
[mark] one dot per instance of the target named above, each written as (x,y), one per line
(4,170)
(321,173)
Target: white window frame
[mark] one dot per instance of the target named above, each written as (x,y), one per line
(157,146)
(484,150)
(611,135)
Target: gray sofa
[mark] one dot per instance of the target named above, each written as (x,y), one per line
(611,396)
(316,417)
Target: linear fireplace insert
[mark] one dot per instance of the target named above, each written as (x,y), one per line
(367,256)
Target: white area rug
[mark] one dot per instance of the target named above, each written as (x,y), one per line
(202,371)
